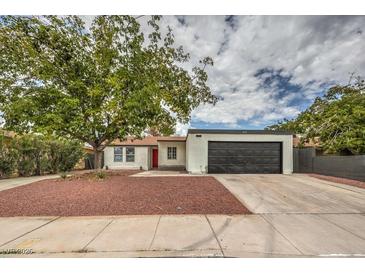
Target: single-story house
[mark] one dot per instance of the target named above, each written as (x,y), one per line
(206,151)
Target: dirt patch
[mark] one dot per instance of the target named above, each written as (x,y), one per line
(339,180)
(119,194)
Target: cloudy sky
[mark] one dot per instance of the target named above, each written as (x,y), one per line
(267,68)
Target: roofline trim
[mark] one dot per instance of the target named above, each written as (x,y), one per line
(171,140)
(237,131)
(131,145)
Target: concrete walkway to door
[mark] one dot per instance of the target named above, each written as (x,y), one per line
(294,216)
(162,173)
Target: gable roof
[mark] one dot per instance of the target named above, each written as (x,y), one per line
(147,140)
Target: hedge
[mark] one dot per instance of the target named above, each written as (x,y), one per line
(34,154)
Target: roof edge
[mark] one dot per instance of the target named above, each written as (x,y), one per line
(238,131)
(162,140)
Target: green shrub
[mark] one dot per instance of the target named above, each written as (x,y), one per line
(26,167)
(8,158)
(63,154)
(63,175)
(100,175)
(38,154)
(32,152)
(54,153)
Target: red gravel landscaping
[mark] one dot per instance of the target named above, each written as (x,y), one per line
(119,194)
(339,180)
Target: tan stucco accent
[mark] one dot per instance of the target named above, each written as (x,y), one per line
(141,158)
(180,154)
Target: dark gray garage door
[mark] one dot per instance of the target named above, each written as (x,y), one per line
(244,157)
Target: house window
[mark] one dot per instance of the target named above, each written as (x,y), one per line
(171,153)
(118,154)
(129,154)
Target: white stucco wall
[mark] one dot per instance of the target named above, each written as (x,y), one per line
(197,148)
(141,158)
(180,154)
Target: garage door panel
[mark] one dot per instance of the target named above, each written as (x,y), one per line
(242,145)
(244,160)
(244,157)
(249,169)
(235,152)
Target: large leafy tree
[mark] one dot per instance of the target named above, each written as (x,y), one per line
(95,84)
(337,119)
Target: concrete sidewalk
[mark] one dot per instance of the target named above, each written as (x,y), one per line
(19,181)
(258,235)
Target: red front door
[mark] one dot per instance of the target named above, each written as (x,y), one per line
(155,158)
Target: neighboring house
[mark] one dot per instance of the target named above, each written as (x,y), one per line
(86,161)
(206,151)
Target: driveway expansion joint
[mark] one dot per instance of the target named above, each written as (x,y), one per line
(101,231)
(155,232)
(263,217)
(343,228)
(215,235)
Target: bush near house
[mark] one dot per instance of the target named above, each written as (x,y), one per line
(32,151)
(63,154)
(33,154)
(8,158)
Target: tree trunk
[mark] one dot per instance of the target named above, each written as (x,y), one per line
(97,158)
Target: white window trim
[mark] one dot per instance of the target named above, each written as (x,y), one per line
(130,154)
(121,154)
(171,154)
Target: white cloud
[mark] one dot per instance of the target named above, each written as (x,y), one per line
(182,129)
(314,50)
(311,50)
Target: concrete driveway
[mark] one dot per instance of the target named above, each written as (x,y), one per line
(293,194)
(294,215)
(316,217)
